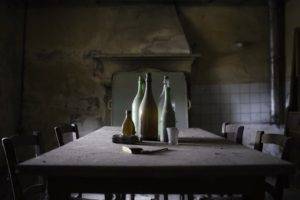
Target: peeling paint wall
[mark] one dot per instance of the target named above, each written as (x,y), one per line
(11,33)
(65,83)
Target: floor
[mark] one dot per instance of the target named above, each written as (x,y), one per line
(290,194)
(5,193)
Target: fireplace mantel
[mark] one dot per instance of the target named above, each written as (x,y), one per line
(120,57)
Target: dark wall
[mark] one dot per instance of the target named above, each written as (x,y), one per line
(11,40)
(292,21)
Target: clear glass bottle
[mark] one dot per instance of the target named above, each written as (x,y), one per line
(167,116)
(137,101)
(148,114)
(161,103)
(128,126)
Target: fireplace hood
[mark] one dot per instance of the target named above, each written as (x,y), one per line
(144,32)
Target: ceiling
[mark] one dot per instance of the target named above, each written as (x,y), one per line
(199,2)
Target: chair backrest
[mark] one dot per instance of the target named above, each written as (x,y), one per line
(9,146)
(60,131)
(278,139)
(282,141)
(233,132)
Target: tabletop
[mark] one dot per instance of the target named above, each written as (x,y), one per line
(199,153)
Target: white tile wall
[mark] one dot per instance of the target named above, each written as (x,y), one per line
(237,103)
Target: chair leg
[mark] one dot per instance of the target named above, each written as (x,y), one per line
(190,197)
(120,196)
(181,196)
(132,196)
(108,196)
(166,197)
(277,195)
(279,188)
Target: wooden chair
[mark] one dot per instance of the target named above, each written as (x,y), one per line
(9,146)
(292,129)
(276,185)
(233,132)
(60,131)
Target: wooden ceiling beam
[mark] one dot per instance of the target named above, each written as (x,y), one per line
(197,2)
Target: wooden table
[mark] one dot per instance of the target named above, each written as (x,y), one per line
(201,163)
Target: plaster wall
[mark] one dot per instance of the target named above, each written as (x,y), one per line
(11,33)
(233,41)
(64,82)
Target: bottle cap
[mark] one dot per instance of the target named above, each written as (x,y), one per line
(166,79)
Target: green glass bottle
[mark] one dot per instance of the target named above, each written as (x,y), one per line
(161,103)
(167,116)
(148,115)
(136,103)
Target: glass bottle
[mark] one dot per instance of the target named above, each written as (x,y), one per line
(128,126)
(167,116)
(161,103)
(136,102)
(148,113)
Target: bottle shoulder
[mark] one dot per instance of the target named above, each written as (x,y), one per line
(127,122)
(138,98)
(148,99)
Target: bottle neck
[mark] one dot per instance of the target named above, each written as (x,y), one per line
(140,86)
(165,87)
(128,116)
(166,82)
(167,95)
(148,87)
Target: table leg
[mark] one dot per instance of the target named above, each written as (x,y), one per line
(166,197)
(108,196)
(55,191)
(132,196)
(259,191)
